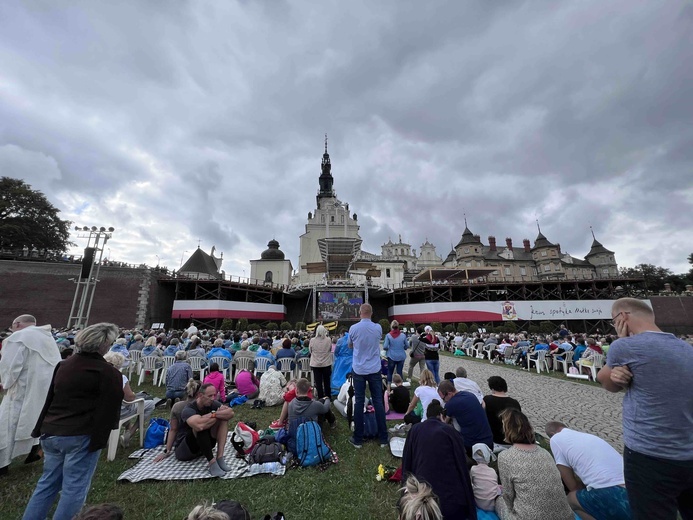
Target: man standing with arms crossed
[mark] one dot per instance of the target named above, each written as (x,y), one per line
(654,368)
(364,338)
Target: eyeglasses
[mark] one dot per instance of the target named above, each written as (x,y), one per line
(613,320)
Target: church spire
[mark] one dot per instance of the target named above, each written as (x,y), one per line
(326,179)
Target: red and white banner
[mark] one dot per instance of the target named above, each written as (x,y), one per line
(509,310)
(211,309)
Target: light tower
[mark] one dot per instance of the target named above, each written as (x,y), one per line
(88,277)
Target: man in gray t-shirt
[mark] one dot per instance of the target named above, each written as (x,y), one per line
(653,367)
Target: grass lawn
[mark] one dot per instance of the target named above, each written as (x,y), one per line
(345,490)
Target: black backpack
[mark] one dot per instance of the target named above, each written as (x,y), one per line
(266,450)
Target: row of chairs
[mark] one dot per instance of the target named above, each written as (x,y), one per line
(563,362)
(142,365)
(542,363)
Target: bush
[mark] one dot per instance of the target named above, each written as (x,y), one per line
(385,325)
(254,326)
(242,324)
(437,326)
(462,328)
(534,329)
(285,325)
(227,324)
(547,327)
(473,328)
(300,325)
(409,325)
(449,328)
(271,326)
(510,326)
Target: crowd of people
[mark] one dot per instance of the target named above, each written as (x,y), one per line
(467,452)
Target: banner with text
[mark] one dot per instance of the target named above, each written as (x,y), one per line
(509,310)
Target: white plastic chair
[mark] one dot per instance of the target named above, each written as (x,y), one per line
(243,363)
(196,365)
(134,366)
(303,370)
(565,362)
(597,363)
(115,433)
(261,365)
(168,361)
(540,362)
(284,366)
(148,364)
(221,361)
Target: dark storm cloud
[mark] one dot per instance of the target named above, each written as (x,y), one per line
(196,121)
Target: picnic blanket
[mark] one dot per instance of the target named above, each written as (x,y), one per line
(394,416)
(172,469)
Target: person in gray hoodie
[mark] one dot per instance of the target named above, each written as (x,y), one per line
(309,409)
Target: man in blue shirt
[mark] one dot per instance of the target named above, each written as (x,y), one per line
(469,418)
(364,338)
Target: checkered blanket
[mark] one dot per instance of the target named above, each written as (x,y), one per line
(172,469)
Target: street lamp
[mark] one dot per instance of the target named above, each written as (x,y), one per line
(157,260)
(86,283)
(181,259)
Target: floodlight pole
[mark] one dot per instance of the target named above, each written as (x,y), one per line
(86,285)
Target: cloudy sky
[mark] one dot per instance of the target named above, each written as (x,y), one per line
(183,121)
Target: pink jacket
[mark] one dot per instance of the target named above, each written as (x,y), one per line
(246,384)
(217,379)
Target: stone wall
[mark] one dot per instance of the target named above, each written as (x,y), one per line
(123,296)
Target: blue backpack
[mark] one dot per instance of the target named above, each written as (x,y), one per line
(311,448)
(370,426)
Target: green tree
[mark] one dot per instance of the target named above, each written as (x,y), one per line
(28,219)
(285,325)
(462,328)
(473,328)
(243,324)
(271,326)
(655,277)
(547,327)
(254,326)
(409,325)
(437,326)
(534,329)
(300,325)
(449,328)
(385,324)
(227,324)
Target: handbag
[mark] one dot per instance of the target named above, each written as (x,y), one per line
(156,433)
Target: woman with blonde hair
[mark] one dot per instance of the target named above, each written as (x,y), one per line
(320,348)
(81,409)
(425,393)
(116,359)
(418,502)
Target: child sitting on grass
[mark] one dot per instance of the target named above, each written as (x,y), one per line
(399,395)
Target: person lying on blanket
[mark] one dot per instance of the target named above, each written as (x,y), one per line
(204,423)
